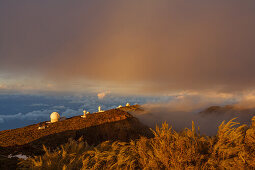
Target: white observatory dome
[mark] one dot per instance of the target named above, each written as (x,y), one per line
(54,117)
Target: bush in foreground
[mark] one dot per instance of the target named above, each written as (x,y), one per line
(232,148)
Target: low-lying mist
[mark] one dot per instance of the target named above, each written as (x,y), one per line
(208,115)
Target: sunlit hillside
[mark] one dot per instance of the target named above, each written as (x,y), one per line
(232,148)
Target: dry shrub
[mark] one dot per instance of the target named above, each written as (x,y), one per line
(232,148)
(68,156)
(170,149)
(229,148)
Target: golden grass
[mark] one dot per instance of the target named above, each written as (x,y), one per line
(232,148)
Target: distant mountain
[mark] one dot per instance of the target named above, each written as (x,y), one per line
(228,112)
(218,109)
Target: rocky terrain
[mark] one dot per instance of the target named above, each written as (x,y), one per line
(115,124)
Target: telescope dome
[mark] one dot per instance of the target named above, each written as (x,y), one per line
(54,117)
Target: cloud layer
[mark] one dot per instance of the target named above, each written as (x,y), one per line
(181,111)
(157,45)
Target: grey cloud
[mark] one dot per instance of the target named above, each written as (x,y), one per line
(163,45)
(38,104)
(72,112)
(39,114)
(59,107)
(29,116)
(180,113)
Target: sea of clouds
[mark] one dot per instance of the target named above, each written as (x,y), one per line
(22,110)
(178,110)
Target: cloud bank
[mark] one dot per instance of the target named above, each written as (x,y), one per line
(157,45)
(181,111)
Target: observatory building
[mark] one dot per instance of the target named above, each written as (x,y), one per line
(84,114)
(54,117)
(99,109)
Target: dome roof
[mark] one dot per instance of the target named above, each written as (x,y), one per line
(54,115)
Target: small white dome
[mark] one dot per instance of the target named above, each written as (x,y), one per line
(54,116)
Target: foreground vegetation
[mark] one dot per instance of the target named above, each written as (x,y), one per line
(232,148)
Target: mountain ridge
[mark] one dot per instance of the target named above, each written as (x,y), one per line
(110,125)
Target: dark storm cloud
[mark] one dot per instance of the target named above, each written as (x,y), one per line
(166,45)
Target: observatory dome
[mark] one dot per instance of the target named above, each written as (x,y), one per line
(54,117)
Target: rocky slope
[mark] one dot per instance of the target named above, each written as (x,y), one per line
(115,124)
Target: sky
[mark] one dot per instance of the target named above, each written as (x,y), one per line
(199,52)
(134,47)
